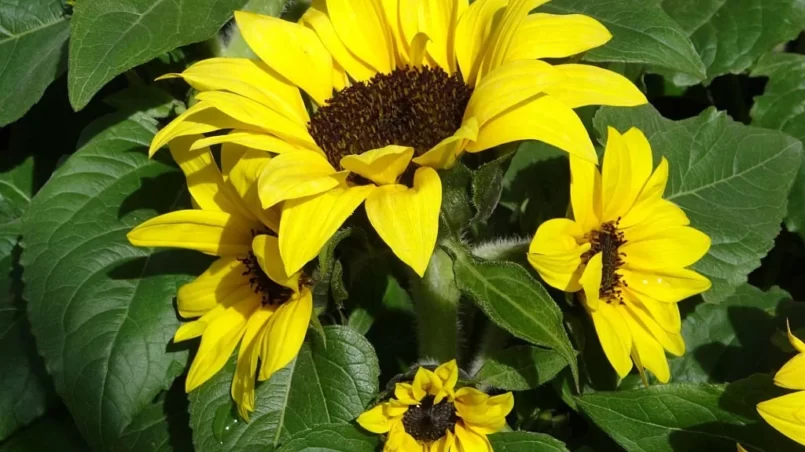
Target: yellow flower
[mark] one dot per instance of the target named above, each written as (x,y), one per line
(245,296)
(787,413)
(627,249)
(431,415)
(402,88)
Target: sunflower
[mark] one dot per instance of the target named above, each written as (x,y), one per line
(626,249)
(244,297)
(429,414)
(787,413)
(400,89)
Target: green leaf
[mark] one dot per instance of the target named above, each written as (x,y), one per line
(109,37)
(732,181)
(641,33)
(487,186)
(332,438)
(331,385)
(520,368)
(455,214)
(687,417)
(56,431)
(514,300)
(525,442)
(730,35)
(782,107)
(732,340)
(102,310)
(163,426)
(33,52)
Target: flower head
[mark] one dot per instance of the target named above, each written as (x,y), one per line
(429,414)
(627,250)
(787,413)
(402,89)
(245,297)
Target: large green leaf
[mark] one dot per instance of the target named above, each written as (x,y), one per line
(514,300)
(163,426)
(782,107)
(102,310)
(525,442)
(732,340)
(732,181)
(332,438)
(109,36)
(642,33)
(33,52)
(730,35)
(520,368)
(329,384)
(56,431)
(680,417)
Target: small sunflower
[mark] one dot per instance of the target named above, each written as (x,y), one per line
(244,297)
(627,249)
(429,414)
(787,413)
(401,89)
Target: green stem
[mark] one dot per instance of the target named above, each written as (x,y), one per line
(436,298)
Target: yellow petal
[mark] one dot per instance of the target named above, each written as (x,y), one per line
(418,48)
(651,217)
(241,168)
(670,340)
(503,38)
(795,341)
(211,287)
(448,373)
(292,50)
(285,333)
(258,116)
(651,354)
(247,78)
(361,26)
(667,285)
(210,232)
(445,154)
(296,175)
(408,219)
(391,8)
(437,19)
(585,193)
(375,420)
(666,315)
(225,300)
(542,118)
(189,330)
(792,374)
(307,223)
(781,413)
(482,413)
(219,341)
(626,168)
(590,85)
(556,36)
(382,166)
(198,119)
(253,140)
(316,17)
(614,335)
(590,281)
(672,248)
(444,444)
(469,441)
(472,36)
(509,85)
(425,382)
(556,254)
(405,394)
(400,441)
(204,181)
(242,388)
(267,251)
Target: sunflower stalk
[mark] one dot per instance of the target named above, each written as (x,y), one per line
(436,298)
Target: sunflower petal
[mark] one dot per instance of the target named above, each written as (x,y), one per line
(316,17)
(292,50)
(653,321)
(503,38)
(626,168)
(208,290)
(382,166)
(408,219)
(542,118)
(361,26)
(253,140)
(375,420)
(247,78)
(199,118)
(614,335)
(556,36)
(795,341)
(781,413)
(307,223)
(790,376)
(590,85)
(651,354)
(650,217)
(670,248)
(556,255)
(242,389)
(267,251)
(666,285)
(241,168)
(472,36)
(470,441)
(210,232)
(437,19)
(285,333)
(296,175)
(445,154)
(585,193)
(590,281)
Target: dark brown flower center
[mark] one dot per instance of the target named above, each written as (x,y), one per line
(273,293)
(607,241)
(429,422)
(417,107)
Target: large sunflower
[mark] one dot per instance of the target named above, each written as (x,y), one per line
(244,297)
(627,249)
(401,89)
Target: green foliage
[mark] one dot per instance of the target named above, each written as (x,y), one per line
(520,368)
(331,438)
(525,441)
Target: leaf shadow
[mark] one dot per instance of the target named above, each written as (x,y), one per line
(161,194)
